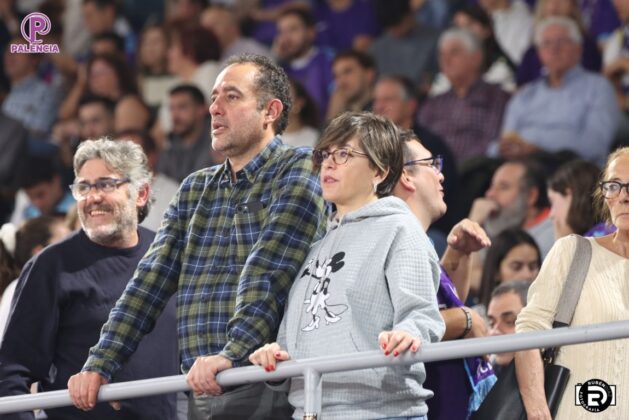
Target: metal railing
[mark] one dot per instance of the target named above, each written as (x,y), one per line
(312,369)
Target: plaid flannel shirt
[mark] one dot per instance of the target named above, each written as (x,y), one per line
(231,251)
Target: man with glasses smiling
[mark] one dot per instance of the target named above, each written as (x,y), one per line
(64,295)
(421,187)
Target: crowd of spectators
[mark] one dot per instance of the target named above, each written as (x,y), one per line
(521,100)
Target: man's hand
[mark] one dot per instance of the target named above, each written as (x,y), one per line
(479,327)
(202,375)
(482,209)
(616,68)
(467,237)
(513,146)
(84,387)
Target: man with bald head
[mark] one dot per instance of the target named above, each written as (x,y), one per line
(230,245)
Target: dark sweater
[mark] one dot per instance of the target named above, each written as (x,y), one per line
(63,298)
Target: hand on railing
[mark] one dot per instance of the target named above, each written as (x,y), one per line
(397,342)
(83,388)
(202,374)
(267,356)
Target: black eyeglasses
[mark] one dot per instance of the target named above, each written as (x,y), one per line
(612,189)
(80,190)
(339,156)
(436,162)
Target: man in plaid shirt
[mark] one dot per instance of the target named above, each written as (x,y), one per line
(230,245)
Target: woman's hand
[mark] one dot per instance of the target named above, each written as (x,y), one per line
(397,342)
(267,356)
(530,373)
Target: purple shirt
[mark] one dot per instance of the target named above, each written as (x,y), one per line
(316,77)
(469,124)
(600,17)
(338,29)
(460,384)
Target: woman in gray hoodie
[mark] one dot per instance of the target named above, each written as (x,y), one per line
(369,283)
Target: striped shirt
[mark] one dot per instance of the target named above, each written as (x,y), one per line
(230,249)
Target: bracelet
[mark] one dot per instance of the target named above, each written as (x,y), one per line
(468,321)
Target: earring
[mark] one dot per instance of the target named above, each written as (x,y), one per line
(375,188)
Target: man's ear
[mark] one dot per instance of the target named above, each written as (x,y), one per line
(532,196)
(273,111)
(405,182)
(143,195)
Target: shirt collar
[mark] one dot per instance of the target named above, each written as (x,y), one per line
(570,75)
(251,169)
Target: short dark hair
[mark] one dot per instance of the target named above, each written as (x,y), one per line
(407,136)
(34,232)
(302,13)
(271,82)
(379,138)
(196,42)
(409,88)
(111,36)
(108,104)
(519,287)
(392,12)
(101,4)
(36,170)
(580,177)
(148,143)
(126,79)
(194,92)
(308,114)
(502,244)
(365,60)
(534,176)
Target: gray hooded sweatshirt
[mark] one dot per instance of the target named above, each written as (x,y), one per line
(375,270)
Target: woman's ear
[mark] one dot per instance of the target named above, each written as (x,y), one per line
(381,175)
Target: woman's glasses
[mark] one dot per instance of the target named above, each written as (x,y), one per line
(612,189)
(339,156)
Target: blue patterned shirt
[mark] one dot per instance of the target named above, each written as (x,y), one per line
(230,249)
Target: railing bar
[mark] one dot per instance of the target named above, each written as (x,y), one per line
(338,363)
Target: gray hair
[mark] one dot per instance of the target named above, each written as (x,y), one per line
(519,287)
(123,157)
(568,24)
(467,38)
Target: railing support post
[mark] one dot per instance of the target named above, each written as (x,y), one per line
(312,394)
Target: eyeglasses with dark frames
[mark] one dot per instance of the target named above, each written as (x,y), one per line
(80,190)
(436,162)
(340,156)
(611,189)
